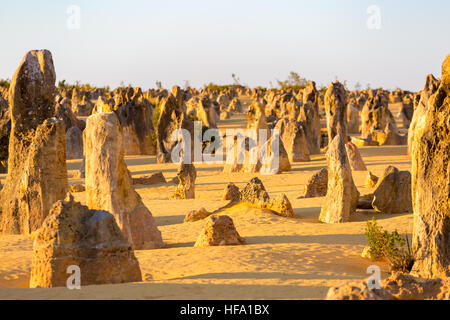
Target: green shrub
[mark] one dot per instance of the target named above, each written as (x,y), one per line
(389,245)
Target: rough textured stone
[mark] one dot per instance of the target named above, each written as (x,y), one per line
(74,143)
(281,206)
(186,187)
(255,193)
(355,158)
(393,192)
(309,114)
(197,215)
(136,118)
(109,185)
(74,235)
(371,180)
(418,120)
(231,192)
(172,117)
(353,120)
(37,175)
(389,137)
(219,231)
(336,110)
(5,131)
(431,185)
(397,287)
(376,116)
(152,179)
(342,195)
(317,185)
(294,140)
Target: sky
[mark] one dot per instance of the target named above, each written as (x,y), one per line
(140,42)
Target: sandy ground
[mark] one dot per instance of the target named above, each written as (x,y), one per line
(284,258)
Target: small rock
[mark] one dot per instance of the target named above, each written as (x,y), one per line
(317,185)
(219,231)
(152,179)
(196,215)
(231,193)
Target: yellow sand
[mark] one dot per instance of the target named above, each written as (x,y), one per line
(284,258)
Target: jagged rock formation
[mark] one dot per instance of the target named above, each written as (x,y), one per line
(231,192)
(393,192)
(135,115)
(172,117)
(109,185)
(342,195)
(219,231)
(309,114)
(74,143)
(355,158)
(254,193)
(186,187)
(431,185)
(375,116)
(90,239)
(317,185)
(37,175)
(371,180)
(336,110)
(294,140)
(420,109)
(5,131)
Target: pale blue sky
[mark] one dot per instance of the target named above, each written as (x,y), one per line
(139,41)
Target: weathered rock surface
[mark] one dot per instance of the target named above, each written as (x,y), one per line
(231,192)
(152,179)
(37,175)
(309,114)
(172,118)
(219,231)
(135,116)
(109,185)
(5,131)
(73,235)
(397,287)
(197,215)
(393,192)
(74,143)
(375,115)
(294,140)
(336,110)
(431,185)
(389,137)
(371,180)
(418,120)
(342,195)
(355,158)
(281,206)
(317,185)
(186,187)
